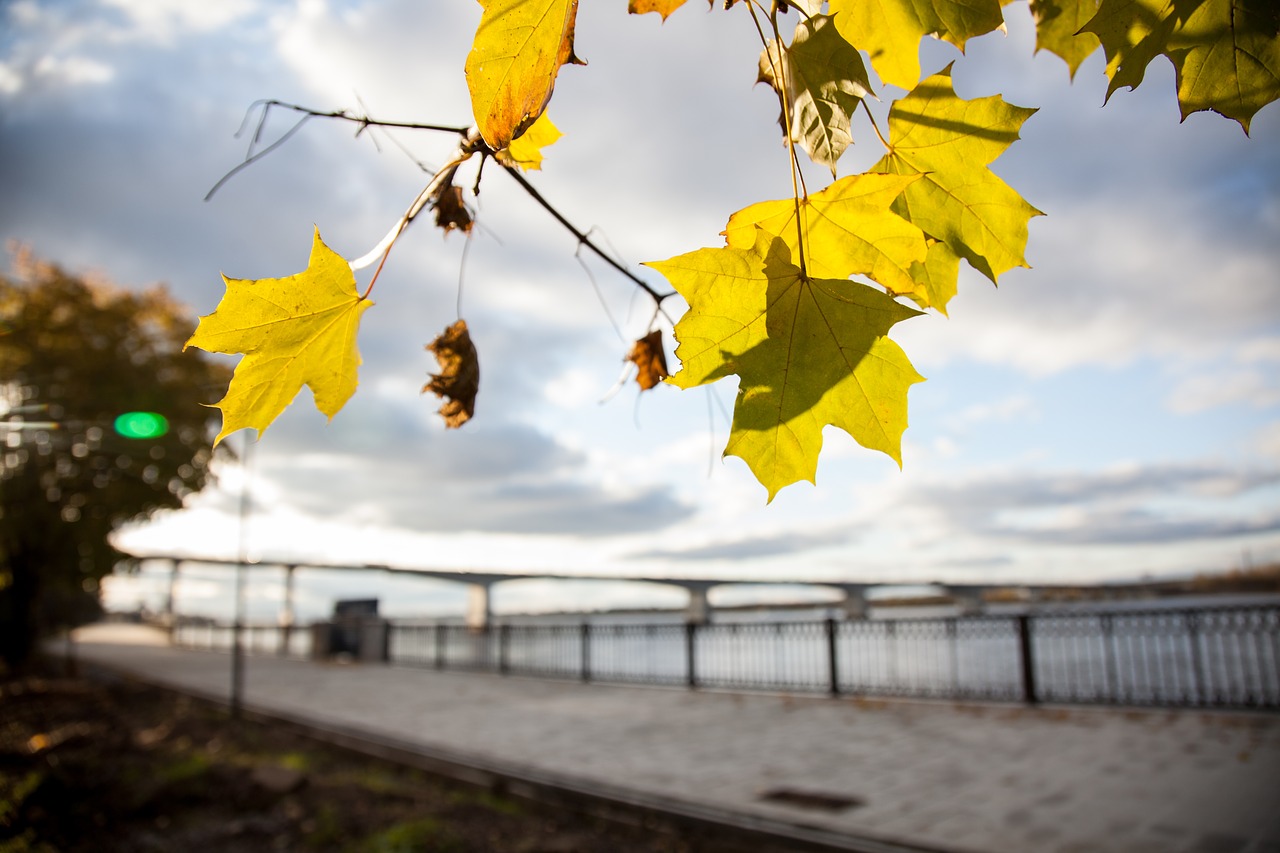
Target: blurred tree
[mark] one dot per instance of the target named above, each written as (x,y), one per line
(76,354)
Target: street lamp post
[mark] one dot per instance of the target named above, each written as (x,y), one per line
(242,556)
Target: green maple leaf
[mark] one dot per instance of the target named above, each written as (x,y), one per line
(959,201)
(1226,52)
(1058,24)
(850,229)
(292,331)
(822,76)
(808,352)
(890,30)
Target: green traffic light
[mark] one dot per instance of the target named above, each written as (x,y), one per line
(142,425)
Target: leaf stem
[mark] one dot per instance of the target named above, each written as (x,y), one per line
(799,191)
(875,126)
(443,178)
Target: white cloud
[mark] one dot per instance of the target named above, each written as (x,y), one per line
(72,70)
(162,20)
(395,55)
(1249,379)
(10,80)
(1260,350)
(1267,442)
(1211,390)
(1112,284)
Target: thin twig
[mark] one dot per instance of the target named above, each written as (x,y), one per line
(462,267)
(365,120)
(583,239)
(604,306)
(251,159)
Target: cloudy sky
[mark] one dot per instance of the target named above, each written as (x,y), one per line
(1110,413)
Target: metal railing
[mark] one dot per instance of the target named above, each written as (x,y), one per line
(1220,657)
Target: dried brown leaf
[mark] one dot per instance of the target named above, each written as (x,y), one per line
(451,211)
(459,376)
(650,360)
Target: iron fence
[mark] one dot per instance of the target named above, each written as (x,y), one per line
(1219,657)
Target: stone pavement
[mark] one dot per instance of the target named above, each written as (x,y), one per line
(919,775)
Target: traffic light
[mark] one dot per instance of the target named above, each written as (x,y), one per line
(142,425)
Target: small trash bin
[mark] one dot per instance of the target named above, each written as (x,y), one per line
(356,631)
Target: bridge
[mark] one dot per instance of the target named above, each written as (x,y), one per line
(970,597)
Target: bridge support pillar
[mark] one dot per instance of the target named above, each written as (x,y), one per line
(699,610)
(287,612)
(479,610)
(970,603)
(854,604)
(168,615)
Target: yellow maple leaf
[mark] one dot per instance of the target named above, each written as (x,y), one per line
(525,151)
(1058,29)
(890,30)
(959,201)
(292,331)
(662,7)
(808,352)
(849,230)
(511,70)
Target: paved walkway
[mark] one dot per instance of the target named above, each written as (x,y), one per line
(935,776)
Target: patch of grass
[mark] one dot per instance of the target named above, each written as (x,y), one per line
(14,794)
(26,843)
(325,832)
(189,766)
(487,800)
(376,779)
(412,836)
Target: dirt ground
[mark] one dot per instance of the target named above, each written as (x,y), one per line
(93,765)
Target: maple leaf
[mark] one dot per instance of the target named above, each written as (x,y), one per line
(823,79)
(890,30)
(849,230)
(937,279)
(958,200)
(1226,52)
(808,352)
(662,7)
(1058,24)
(292,331)
(525,150)
(650,360)
(458,381)
(511,70)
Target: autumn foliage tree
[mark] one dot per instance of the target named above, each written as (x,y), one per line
(800,301)
(101,423)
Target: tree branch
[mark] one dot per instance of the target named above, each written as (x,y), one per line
(471,143)
(583,239)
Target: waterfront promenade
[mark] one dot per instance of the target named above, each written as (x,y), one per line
(854,774)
